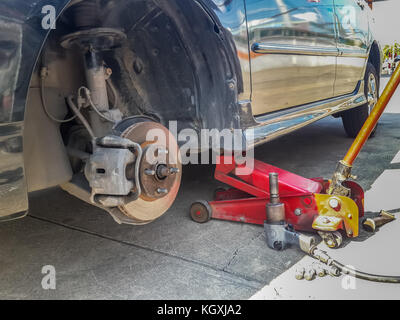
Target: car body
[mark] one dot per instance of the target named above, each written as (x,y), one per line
(267,67)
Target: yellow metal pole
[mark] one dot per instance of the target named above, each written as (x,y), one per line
(373,118)
(343,169)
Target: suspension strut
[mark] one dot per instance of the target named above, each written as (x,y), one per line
(92,41)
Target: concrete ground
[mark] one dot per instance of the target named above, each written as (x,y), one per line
(175,258)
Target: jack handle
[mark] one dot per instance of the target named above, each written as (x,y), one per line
(343,170)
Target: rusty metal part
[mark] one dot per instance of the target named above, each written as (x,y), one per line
(153,201)
(157,185)
(99,39)
(370,224)
(275,209)
(275,212)
(341,174)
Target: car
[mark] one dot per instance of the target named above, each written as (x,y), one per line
(84,84)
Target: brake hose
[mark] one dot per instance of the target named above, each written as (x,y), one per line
(326,259)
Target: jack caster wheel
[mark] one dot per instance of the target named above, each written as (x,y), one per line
(200,211)
(332,239)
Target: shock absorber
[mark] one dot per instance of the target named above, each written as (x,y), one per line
(92,40)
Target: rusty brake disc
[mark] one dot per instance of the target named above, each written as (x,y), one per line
(160,171)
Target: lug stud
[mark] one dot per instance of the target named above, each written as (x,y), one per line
(174,170)
(162,191)
(149,172)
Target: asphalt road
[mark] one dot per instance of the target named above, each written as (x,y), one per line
(173,258)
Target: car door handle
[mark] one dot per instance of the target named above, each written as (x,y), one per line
(361,4)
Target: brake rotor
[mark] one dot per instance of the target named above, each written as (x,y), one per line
(159,174)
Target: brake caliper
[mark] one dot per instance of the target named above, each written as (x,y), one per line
(110,171)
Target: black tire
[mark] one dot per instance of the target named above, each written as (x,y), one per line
(200,211)
(354,119)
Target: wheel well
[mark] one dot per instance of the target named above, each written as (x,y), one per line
(375,57)
(177,63)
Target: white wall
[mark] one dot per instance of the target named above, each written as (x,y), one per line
(387,21)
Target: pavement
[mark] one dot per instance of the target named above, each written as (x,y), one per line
(175,258)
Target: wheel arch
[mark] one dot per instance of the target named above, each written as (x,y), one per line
(179,63)
(375,57)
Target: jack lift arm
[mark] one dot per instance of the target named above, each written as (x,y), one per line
(287,204)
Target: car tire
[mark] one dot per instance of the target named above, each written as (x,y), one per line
(354,119)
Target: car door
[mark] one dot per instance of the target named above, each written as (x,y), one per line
(352,41)
(293,52)
(21,37)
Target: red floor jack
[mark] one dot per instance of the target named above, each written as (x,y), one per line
(286,203)
(279,198)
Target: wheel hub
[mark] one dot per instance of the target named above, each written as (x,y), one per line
(159,172)
(157,178)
